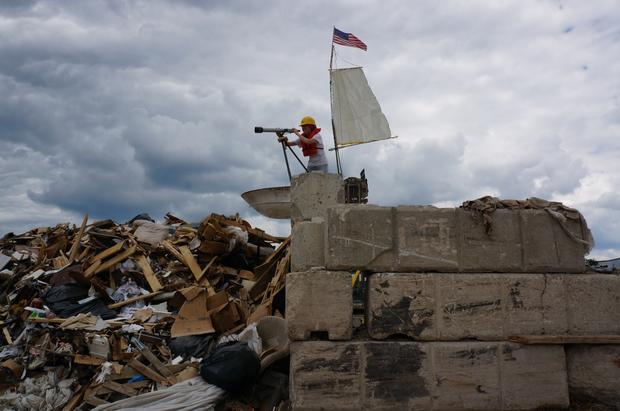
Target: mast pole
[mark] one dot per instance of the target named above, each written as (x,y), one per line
(331,97)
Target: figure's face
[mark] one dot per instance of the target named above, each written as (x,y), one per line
(306,129)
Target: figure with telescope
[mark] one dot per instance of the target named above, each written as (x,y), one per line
(311,143)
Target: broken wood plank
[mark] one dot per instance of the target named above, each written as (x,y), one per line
(172,249)
(147,372)
(565,339)
(108,252)
(190,261)
(133,300)
(84,253)
(112,262)
(95,401)
(148,273)
(159,366)
(87,360)
(75,400)
(76,242)
(120,388)
(7,336)
(206,269)
(93,267)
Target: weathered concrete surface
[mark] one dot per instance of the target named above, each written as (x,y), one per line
(593,303)
(312,193)
(360,236)
(594,373)
(424,238)
(499,251)
(319,301)
(426,376)
(546,247)
(427,238)
(308,244)
(491,306)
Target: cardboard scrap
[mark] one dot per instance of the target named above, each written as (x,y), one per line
(193,317)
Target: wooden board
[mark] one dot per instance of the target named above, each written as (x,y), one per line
(148,273)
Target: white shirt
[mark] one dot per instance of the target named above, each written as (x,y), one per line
(319,158)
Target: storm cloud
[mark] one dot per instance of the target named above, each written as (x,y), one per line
(113,108)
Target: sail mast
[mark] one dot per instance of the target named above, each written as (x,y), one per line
(331,100)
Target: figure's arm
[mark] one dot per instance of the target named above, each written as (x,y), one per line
(283,139)
(304,139)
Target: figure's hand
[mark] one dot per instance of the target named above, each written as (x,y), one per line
(282,139)
(296,131)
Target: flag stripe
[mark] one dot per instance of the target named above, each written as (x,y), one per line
(348,39)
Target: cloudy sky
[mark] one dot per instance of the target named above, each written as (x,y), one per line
(114,108)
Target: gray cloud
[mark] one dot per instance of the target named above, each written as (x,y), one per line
(115,108)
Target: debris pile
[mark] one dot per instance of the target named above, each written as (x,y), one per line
(105,312)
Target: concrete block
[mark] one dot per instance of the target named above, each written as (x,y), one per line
(426,376)
(547,247)
(465,306)
(319,301)
(533,377)
(496,306)
(401,304)
(594,373)
(593,303)
(535,304)
(360,237)
(312,193)
(571,254)
(396,376)
(427,238)
(325,376)
(430,239)
(499,251)
(308,245)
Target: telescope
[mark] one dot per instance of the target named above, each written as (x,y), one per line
(273,130)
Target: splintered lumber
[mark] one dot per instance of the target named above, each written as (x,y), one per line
(148,273)
(110,251)
(87,360)
(190,262)
(75,400)
(172,249)
(565,339)
(133,300)
(147,372)
(111,262)
(159,366)
(76,243)
(7,335)
(120,388)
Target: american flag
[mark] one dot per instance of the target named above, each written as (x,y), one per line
(348,39)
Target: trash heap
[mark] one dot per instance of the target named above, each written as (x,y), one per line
(103,312)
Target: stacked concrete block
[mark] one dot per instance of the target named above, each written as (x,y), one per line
(393,375)
(313,193)
(444,306)
(319,302)
(443,297)
(424,238)
(308,244)
(594,373)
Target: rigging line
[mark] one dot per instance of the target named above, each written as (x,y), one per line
(346,61)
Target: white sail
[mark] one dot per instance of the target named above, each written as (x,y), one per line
(356,113)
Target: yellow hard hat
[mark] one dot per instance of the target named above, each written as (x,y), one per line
(307,120)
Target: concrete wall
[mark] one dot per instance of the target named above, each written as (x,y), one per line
(438,282)
(394,375)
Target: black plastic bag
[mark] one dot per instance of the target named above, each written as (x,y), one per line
(232,367)
(63,300)
(192,345)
